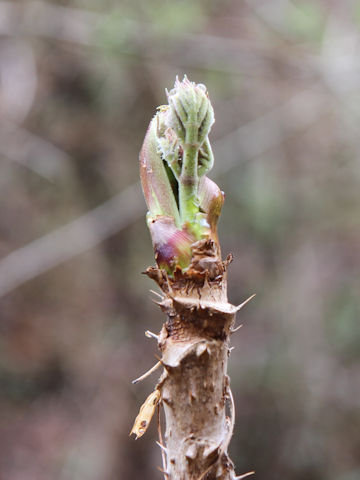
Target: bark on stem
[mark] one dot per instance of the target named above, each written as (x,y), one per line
(195,390)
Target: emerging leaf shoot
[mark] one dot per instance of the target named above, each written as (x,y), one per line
(184,205)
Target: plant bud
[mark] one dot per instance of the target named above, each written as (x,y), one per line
(184,205)
(191,114)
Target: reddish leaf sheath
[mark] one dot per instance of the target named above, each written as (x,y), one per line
(154,179)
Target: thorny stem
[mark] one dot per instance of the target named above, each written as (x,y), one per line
(161,442)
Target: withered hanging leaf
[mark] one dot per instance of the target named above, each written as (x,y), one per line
(145,415)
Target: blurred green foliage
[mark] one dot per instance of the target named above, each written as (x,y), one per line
(307,20)
(343,323)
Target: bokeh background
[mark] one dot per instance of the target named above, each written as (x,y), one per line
(80,80)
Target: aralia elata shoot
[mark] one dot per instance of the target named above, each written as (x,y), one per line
(183,210)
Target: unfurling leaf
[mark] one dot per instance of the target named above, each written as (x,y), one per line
(190,114)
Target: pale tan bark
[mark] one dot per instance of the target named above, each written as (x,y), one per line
(195,388)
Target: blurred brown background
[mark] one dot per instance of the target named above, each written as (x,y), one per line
(80,80)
